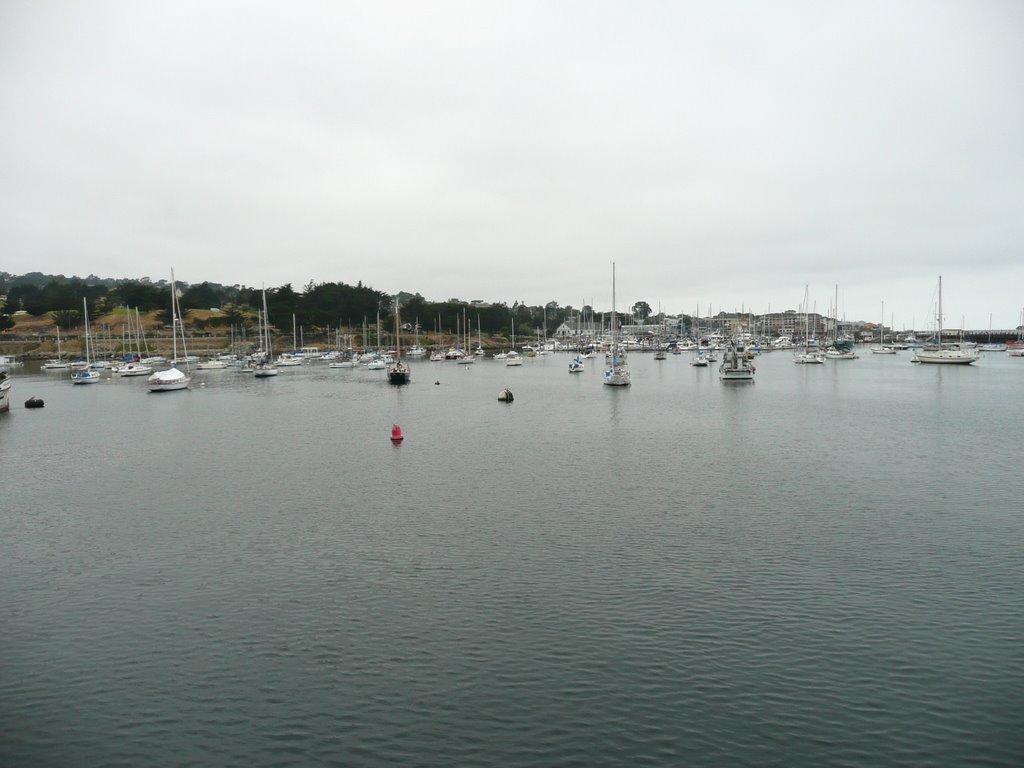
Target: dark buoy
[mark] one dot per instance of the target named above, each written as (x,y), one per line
(437,383)
(505,396)
(34,402)
(396,434)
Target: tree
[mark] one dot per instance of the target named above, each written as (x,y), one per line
(165,318)
(66,318)
(641,310)
(202,296)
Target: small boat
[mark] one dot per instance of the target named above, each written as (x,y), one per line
(9,361)
(505,396)
(576,365)
(736,366)
(264,368)
(57,363)
(1016,348)
(211,365)
(133,369)
(945,354)
(396,434)
(991,346)
(5,392)
(87,375)
(399,372)
(840,354)
(882,349)
(513,358)
(173,378)
(617,372)
(660,355)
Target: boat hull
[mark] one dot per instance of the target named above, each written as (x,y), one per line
(946,356)
(170,380)
(399,374)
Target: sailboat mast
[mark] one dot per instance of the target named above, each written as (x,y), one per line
(85,316)
(614,348)
(174,318)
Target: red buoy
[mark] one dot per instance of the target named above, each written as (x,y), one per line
(396,434)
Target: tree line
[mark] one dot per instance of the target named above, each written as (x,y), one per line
(319,308)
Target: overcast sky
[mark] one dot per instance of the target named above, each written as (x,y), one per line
(724,154)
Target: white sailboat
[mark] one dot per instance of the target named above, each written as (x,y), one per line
(173,378)
(264,367)
(513,357)
(808,357)
(881,349)
(5,392)
(991,346)
(945,354)
(416,350)
(135,367)
(57,363)
(617,372)
(467,358)
(479,351)
(1016,348)
(87,375)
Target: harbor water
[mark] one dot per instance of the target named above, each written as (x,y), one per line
(824,567)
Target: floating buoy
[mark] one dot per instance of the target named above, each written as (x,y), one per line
(437,383)
(34,402)
(396,434)
(505,396)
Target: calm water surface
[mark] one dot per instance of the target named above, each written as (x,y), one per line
(822,568)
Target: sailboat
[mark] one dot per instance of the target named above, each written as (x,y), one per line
(134,367)
(58,362)
(264,368)
(513,357)
(399,372)
(807,357)
(416,350)
(172,378)
(467,358)
(5,392)
(87,375)
(948,354)
(991,346)
(1016,348)
(881,349)
(617,372)
(700,360)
